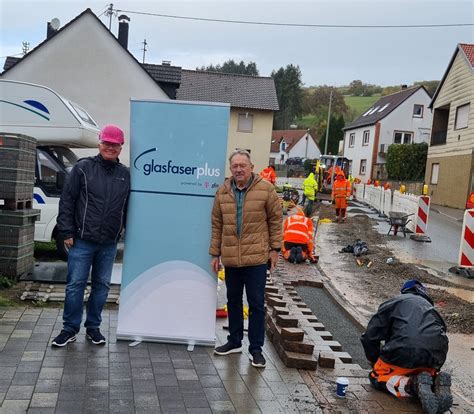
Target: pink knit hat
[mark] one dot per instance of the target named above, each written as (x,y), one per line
(112,133)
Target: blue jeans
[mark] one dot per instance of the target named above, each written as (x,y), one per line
(253,278)
(82,256)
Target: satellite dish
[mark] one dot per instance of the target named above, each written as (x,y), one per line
(55,23)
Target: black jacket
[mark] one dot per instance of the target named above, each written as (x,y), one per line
(413,331)
(93,203)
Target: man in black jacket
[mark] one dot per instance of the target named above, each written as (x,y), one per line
(92,212)
(414,349)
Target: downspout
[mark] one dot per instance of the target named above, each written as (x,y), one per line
(375,149)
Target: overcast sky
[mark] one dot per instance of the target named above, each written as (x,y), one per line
(332,56)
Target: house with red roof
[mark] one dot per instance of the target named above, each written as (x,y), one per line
(291,144)
(450,164)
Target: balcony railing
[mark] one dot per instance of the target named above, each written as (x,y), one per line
(438,138)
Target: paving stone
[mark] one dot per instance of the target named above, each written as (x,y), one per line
(143,385)
(14,406)
(222,406)
(205,369)
(167,380)
(146,400)
(142,373)
(51,373)
(292,334)
(186,374)
(25,378)
(41,410)
(71,393)
(235,387)
(27,366)
(286,321)
(303,347)
(216,394)
(69,407)
(20,392)
(44,399)
(276,302)
(326,360)
(121,406)
(277,310)
(210,381)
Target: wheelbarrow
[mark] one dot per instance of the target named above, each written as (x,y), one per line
(398,220)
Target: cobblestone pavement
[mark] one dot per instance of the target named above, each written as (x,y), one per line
(149,377)
(161,378)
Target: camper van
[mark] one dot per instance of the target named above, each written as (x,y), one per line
(58,125)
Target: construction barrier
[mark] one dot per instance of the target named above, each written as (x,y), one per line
(373,196)
(293,181)
(466,250)
(387,202)
(359,191)
(422,215)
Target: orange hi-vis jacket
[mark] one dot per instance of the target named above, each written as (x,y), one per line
(341,188)
(298,229)
(269,175)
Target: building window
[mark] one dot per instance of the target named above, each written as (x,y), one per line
(365,139)
(400,137)
(363,166)
(351,140)
(434,173)
(462,116)
(417,111)
(245,123)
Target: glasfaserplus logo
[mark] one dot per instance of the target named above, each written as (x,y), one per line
(152,166)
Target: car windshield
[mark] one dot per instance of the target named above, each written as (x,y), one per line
(63,155)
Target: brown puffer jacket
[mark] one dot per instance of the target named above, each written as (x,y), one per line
(260,229)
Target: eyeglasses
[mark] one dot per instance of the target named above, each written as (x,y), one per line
(110,144)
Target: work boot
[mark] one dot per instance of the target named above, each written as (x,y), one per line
(442,389)
(292,258)
(422,386)
(299,255)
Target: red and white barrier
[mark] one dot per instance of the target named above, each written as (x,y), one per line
(422,215)
(466,251)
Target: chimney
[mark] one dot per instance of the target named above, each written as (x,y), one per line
(52,27)
(123,30)
(166,63)
(404,86)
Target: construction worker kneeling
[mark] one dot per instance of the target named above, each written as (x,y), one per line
(298,238)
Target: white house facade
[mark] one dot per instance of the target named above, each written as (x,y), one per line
(291,144)
(85,63)
(400,118)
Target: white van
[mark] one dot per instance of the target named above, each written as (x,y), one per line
(58,125)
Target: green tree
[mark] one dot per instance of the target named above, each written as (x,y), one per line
(430,86)
(232,67)
(316,101)
(289,91)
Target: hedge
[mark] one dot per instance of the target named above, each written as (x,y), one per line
(407,162)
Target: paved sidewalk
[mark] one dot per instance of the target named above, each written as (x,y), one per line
(452,213)
(153,378)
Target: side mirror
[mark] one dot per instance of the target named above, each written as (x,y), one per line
(60,180)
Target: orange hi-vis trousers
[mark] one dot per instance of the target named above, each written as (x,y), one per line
(394,378)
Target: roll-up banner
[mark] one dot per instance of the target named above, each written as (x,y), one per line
(177,161)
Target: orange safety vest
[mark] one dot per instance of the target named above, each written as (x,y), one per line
(268,174)
(298,229)
(341,189)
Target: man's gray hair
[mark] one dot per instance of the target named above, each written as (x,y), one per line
(240,152)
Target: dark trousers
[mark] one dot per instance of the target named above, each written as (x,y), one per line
(253,278)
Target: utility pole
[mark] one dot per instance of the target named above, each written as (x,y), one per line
(145,44)
(327,127)
(307,139)
(25,47)
(110,12)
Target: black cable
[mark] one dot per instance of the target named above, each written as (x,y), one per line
(338,26)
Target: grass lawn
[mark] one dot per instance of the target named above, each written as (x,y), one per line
(360,103)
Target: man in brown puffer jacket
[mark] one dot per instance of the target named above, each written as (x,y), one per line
(246,234)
